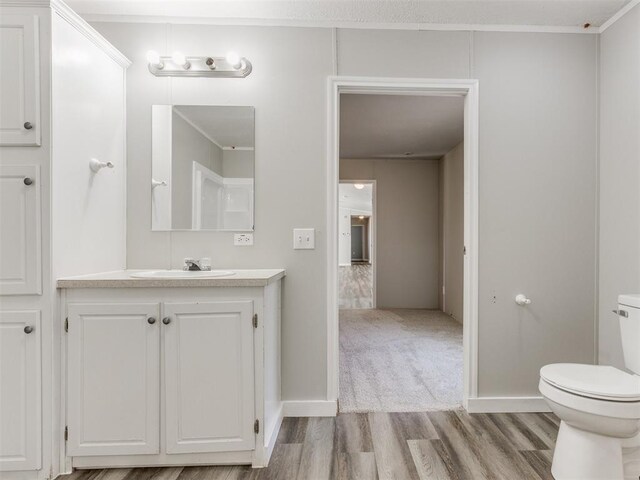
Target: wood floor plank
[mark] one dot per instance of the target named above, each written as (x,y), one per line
(429,464)
(352,434)
(284,464)
(318,459)
(497,450)
(540,461)
(293,430)
(204,473)
(459,446)
(357,466)
(542,425)
(392,454)
(414,426)
(518,433)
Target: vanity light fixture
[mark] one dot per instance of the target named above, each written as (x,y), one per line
(179,65)
(180,60)
(358,186)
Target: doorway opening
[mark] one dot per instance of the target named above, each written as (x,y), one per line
(406,349)
(356,244)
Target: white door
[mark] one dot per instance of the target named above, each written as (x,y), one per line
(19,80)
(20,231)
(114,379)
(20,380)
(209,376)
(344,240)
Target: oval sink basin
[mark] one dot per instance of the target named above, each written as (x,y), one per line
(182,274)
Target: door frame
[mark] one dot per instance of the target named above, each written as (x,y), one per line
(467,88)
(373,227)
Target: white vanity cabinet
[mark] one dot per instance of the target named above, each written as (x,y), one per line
(20,442)
(19,80)
(172,375)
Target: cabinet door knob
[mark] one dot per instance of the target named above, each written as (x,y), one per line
(28,329)
(28,125)
(28,181)
(151,320)
(166,320)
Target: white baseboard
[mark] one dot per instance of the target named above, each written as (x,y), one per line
(507,405)
(310,408)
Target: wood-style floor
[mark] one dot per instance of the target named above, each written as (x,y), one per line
(394,446)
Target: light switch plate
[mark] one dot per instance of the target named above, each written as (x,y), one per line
(304,238)
(243,239)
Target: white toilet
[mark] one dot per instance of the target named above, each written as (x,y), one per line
(599,409)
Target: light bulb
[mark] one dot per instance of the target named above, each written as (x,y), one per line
(358,186)
(179,59)
(234,60)
(361,217)
(153,58)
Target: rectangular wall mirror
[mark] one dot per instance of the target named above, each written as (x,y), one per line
(202,174)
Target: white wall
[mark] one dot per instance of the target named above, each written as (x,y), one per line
(619,270)
(237,163)
(88,209)
(406,229)
(537,176)
(452,235)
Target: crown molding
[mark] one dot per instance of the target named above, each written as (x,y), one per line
(79,23)
(621,13)
(260,22)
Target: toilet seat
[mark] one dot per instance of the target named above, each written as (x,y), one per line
(593,381)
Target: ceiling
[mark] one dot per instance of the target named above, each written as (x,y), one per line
(399,126)
(360,199)
(228,127)
(557,13)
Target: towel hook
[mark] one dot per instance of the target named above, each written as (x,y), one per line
(96,165)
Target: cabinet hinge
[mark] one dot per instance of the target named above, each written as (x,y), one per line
(255,320)
(66,433)
(464,250)
(66,324)
(256,426)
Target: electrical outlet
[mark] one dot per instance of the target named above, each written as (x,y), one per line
(243,239)
(304,238)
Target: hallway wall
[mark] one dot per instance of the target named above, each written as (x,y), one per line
(407,227)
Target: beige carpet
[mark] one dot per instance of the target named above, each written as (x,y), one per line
(356,286)
(399,361)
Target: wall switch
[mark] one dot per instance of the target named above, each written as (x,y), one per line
(304,238)
(243,239)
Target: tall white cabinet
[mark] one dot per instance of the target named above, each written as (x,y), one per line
(54,67)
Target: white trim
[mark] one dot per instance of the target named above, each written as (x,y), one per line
(270,442)
(507,405)
(277,22)
(309,408)
(246,149)
(88,31)
(621,13)
(367,85)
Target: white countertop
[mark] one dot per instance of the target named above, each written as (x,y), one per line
(123,279)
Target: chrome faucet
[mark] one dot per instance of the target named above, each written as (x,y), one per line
(193,265)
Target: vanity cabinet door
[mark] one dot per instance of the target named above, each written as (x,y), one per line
(19,80)
(113,403)
(20,381)
(209,376)
(20,231)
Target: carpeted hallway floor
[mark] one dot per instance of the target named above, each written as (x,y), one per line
(399,360)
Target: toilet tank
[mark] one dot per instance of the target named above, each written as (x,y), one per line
(629,314)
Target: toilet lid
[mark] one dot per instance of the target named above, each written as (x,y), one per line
(594,381)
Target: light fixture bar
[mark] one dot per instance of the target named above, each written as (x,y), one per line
(219,67)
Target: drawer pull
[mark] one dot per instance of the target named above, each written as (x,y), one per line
(166,320)
(151,320)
